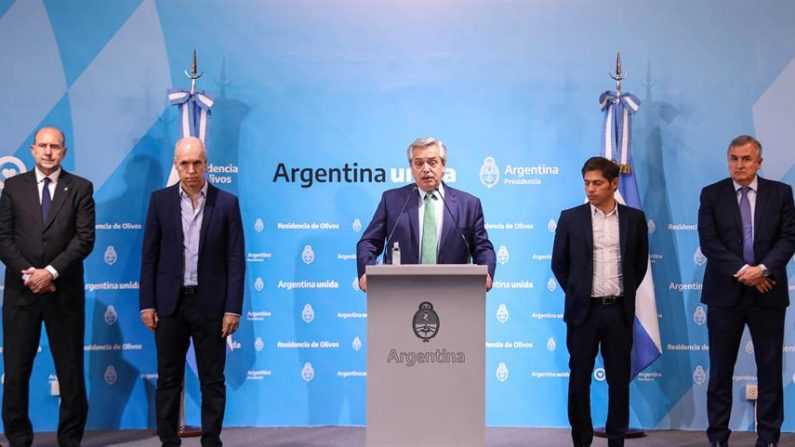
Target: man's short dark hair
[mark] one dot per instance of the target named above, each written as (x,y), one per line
(742,140)
(607,167)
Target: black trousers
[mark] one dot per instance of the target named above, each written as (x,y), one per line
(65,326)
(172,338)
(605,329)
(726,327)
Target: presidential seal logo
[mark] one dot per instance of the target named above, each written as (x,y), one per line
(551,284)
(9,167)
(110,315)
(599,374)
(502,372)
(489,172)
(110,255)
(552,225)
(308,255)
(308,314)
(699,375)
(356,344)
(502,255)
(355,284)
(699,257)
(259,225)
(651,225)
(749,347)
(699,316)
(259,345)
(426,322)
(259,284)
(307,372)
(111,376)
(357,225)
(502,313)
(551,345)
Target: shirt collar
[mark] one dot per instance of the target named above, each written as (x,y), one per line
(53,177)
(753,185)
(595,210)
(203,191)
(440,188)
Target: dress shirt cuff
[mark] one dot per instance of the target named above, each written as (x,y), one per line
(742,269)
(232,314)
(52,271)
(144,310)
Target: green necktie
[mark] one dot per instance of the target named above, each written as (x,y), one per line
(429,231)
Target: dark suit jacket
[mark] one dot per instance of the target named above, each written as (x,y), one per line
(720,232)
(221,267)
(572,259)
(452,250)
(64,241)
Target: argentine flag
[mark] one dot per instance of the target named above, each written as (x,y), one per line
(618,109)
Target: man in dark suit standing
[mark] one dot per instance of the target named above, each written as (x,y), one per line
(192,272)
(746,227)
(599,257)
(404,216)
(46,231)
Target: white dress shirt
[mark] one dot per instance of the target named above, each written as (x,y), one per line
(607,271)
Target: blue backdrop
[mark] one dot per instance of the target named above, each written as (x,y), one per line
(303,88)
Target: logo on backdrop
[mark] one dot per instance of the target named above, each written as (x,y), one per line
(357,225)
(308,256)
(552,225)
(111,376)
(551,345)
(652,226)
(110,315)
(259,345)
(699,316)
(308,314)
(699,375)
(348,173)
(502,313)
(749,347)
(489,172)
(599,374)
(259,284)
(426,322)
(551,284)
(110,255)
(699,257)
(356,344)
(502,372)
(259,225)
(502,255)
(9,167)
(355,284)
(308,373)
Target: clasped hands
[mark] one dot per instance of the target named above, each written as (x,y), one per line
(751,276)
(39,281)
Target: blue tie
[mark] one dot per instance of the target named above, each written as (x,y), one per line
(748,227)
(46,200)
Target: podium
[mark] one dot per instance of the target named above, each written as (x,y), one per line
(426,355)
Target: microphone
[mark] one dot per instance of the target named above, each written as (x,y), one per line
(455,221)
(397,221)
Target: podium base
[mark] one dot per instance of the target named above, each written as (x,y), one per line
(632,433)
(189,432)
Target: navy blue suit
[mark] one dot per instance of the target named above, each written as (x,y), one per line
(591,326)
(452,249)
(185,312)
(732,304)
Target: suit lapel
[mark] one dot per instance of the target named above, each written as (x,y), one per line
(623,227)
(448,224)
(587,216)
(730,194)
(175,209)
(62,189)
(207,214)
(31,195)
(762,197)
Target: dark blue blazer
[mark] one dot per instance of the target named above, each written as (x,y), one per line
(572,259)
(720,233)
(221,254)
(452,249)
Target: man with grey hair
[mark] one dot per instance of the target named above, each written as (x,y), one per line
(746,227)
(432,222)
(192,272)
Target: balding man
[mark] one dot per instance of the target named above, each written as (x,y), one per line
(46,231)
(192,271)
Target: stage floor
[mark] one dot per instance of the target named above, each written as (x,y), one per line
(354,437)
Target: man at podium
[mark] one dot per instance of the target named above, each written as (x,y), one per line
(428,221)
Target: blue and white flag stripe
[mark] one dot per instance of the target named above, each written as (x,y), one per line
(646,346)
(195,117)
